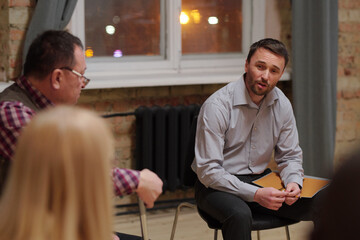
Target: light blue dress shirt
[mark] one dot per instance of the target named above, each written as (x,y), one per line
(236,137)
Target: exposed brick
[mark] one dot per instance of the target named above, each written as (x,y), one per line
(210,89)
(89,96)
(124,125)
(19,15)
(348,4)
(349,15)
(349,116)
(14,62)
(354,105)
(346,61)
(185,90)
(346,132)
(17,34)
(103,107)
(152,92)
(349,27)
(2,73)
(125,155)
(14,47)
(13,73)
(123,141)
(194,99)
(118,94)
(344,149)
(123,106)
(21,3)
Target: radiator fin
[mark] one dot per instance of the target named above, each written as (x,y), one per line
(162,135)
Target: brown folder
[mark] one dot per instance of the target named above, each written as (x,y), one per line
(311,185)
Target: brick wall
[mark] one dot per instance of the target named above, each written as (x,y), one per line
(4,38)
(348,88)
(14,19)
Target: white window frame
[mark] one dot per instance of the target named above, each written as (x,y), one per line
(175,69)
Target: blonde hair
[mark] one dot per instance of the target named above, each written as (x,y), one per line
(59,185)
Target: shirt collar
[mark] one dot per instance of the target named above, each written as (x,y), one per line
(242,97)
(39,99)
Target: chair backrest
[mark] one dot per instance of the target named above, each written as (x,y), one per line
(189,175)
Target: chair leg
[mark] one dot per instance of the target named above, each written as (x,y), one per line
(215,234)
(181,205)
(143,221)
(287,232)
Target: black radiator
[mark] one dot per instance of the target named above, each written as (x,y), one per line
(161,141)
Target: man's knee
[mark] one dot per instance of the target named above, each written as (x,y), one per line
(238,225)
(241,216)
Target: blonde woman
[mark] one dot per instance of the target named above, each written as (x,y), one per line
(59,185)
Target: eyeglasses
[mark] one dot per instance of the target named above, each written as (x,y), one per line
(85,79)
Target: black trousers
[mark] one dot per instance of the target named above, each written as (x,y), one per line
(235,214)
(4,169)
(124,236)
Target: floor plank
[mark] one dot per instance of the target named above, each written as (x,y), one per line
(191,227)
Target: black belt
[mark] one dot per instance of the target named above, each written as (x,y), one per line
(249,178)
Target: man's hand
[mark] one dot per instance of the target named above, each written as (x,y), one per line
(270,198)
(149,188)
(293,191)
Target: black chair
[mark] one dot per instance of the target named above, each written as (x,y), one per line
(260,221)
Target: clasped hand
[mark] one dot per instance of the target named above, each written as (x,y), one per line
(273,199)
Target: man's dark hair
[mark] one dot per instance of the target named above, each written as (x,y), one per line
(272,45)
(50,50)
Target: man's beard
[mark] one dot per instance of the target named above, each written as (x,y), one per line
(260,92)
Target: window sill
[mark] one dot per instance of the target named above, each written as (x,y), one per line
(4,85)
(148,79)
(166,78)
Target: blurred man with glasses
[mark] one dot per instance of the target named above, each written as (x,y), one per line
(54,74)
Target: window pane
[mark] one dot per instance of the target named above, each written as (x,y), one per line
(122,27)
(211,26)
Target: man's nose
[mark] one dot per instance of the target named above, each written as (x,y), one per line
(265,75)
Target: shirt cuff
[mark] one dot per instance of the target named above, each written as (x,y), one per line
(125,181)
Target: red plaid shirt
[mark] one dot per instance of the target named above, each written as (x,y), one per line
(14,115)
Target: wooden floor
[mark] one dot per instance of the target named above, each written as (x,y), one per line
(192,227)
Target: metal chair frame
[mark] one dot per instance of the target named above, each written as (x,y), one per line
(143,220)
(193,206)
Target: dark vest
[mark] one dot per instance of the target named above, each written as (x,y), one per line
(15,93)
(11,94)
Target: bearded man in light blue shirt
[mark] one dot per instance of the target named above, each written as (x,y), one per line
(239,128)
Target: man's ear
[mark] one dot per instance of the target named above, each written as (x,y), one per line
(56,78)
(246,66)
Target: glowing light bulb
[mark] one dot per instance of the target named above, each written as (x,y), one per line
(184,18)
(213,20)
(89,53)
(196,16)
(117,53)
(110,29)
